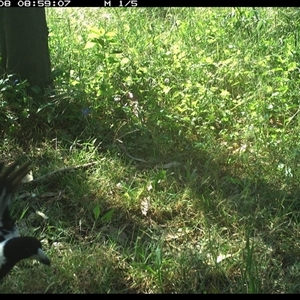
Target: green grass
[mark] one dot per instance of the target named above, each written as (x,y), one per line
(191,117)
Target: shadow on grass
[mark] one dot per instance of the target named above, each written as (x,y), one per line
(219,190)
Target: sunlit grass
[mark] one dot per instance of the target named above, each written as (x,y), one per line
(191,118)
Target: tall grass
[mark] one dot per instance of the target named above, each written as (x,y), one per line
(191,115)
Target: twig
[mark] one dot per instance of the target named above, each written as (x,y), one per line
(132,157)
(50,175)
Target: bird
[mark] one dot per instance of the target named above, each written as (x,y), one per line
(13,247)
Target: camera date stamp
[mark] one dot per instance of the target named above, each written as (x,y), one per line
(64,3)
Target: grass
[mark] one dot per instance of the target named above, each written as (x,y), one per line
(191,118)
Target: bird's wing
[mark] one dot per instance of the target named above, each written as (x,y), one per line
(10,180)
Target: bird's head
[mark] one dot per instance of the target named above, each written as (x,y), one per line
(19,248)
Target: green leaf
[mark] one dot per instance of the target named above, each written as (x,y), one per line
(125,61)
(111,33)
(166,89)
(44,106)
(224,93)
(89,45)
(96,211)
(158,255)
(95,33)
(107,217)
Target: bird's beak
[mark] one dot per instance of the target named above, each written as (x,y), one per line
(41,257)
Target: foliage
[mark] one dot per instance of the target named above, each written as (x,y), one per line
(192,115)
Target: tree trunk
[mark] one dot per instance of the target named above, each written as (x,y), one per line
(24,45)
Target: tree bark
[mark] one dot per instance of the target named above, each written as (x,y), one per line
(24,45)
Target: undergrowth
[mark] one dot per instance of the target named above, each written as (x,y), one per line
(190,116)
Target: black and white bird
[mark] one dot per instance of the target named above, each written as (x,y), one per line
(14,248)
